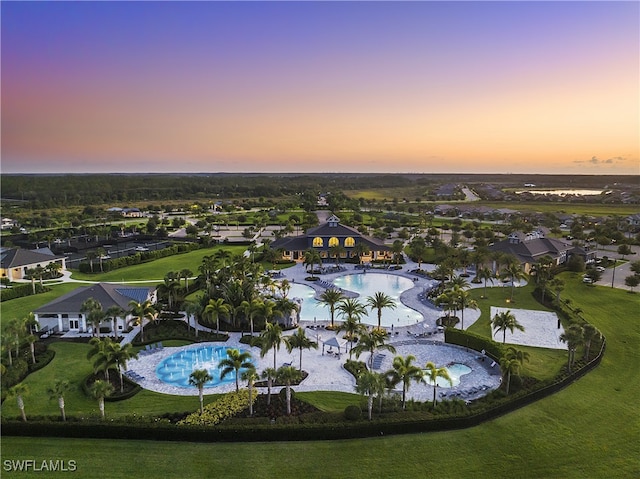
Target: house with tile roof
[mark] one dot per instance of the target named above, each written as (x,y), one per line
(530,247)
(63,314)
(321,238)
(14,263)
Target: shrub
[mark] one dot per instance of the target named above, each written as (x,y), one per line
(352,412)
(227,406)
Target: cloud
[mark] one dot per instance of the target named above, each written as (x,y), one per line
(594,160)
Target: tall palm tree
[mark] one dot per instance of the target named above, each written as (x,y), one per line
(120,355)
(514,272)
(336,251)
(288,375)
(114,312)
(198,378)
(270,375)
(193,309)
(185,274)
(397,248)
(368,384)
(589,333)
(485,274)
(361,249)
(465,301)
(404,371)
(99,390)
(573,337)
(503,321)
(18,391)
(299,340)
(311,258)
(331,297)
(57,391)
(270,338)
(94,314)
(557,285)
(213,310)
(250,310)
(250,375)
(353,310)
(141,312)
(101,355)
(379,301)
(432,374)
(509,367)
(371,342)
(233,363)
(31,339)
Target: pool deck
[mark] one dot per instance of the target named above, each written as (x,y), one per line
(326,372)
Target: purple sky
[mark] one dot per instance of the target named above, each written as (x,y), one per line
(540,87)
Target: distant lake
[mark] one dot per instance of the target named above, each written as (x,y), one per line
(562,192)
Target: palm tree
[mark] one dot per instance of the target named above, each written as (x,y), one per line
(331,297)
(250,310)
(198,378)
(465,301)
(114,312)
(31,339)
(101,355)
(336,251)
(557,285)
(573,337)
(193,309)
(514,272)
(120,355)
(270,338)
(250,376)
(360,249)
(513,353)
(269,374)
(94,314)
(397,248)
(233,363)
(91,255)
(432,374)
(380,301)
(485,274)
(141,312)
(311,258)
(288,375)
(185,274)
(368,384)
(404,372)
(371,342)
(353,310)
(60,387)
(213,311)
(503,321)
(589,333)
(99,390)
(18,391)
(299,340)
(509,367)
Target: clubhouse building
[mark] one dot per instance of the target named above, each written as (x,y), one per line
(329,235)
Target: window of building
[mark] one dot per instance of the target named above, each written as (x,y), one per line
(317,242)
(333,241)
(349,242)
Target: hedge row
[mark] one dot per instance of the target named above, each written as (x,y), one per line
(474,341)
(21,290)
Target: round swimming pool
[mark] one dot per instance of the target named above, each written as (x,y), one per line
(456,370)
(176,369)
(365,285)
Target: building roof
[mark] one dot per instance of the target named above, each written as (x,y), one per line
(105,293)
(529,248)
(18,257)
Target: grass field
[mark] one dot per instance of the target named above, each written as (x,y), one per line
(588,430)
(155,271)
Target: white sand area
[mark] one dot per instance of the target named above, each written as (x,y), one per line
(540,329)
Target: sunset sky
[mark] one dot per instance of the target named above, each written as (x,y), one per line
(424,87)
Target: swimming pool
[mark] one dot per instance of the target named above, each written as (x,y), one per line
(365,285)
(175,370)
(456,370)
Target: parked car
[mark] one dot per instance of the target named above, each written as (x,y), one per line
(587,280)
(600,269)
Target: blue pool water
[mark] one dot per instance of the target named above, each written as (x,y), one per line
(175,369)
(365,285)
(456,370)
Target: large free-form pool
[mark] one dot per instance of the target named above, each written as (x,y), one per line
(365,285)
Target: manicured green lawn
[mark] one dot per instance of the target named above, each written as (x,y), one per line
(21,307)
(590,429)
(155,271)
